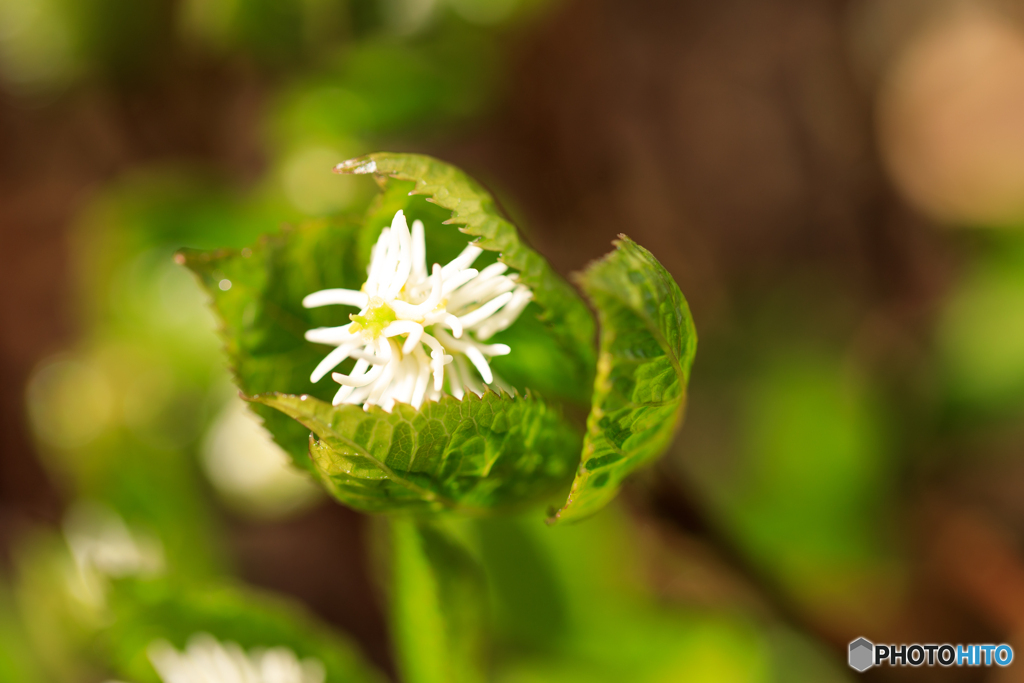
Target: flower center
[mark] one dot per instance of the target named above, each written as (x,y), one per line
(378,316)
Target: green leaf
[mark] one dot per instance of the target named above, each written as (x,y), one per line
(562,310)
(257,294)
(437,606)
(147,610)
(467,456)
(647,345)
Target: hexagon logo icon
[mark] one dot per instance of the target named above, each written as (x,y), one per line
(862,654)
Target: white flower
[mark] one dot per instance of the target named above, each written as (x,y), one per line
(101,542)
(249,470)
(406,314)
(104,547)
(205,660)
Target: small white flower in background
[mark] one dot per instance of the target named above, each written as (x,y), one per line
(406,314)
(206,660)
(249,470)
(103,547)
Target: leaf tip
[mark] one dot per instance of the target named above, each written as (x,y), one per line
(359,165)
(553,516)
(622,239)
(254,398)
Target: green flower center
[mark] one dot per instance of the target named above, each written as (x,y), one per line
(378,316)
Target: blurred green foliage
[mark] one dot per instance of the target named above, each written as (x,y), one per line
(981,335)
(812,440)
(572,602)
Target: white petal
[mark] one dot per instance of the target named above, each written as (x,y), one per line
(472,384)
(496,349)
(422,377)
(341,395)
(331,335)
(455,382)
(403,246)
(390,263)
(382,384)
(463,260)
(419,251)
(485,311)
(456,280)
(479,292)
(480,363)
(454,323)
(326,297)
(408,373)
(413,329)
(434,345)
(492,270)
(378,257)
(358,395)
(407,311)
(438,359)
(413,340)
(358,380)
(401,327)
(331,361)
(368,356)
(507,315)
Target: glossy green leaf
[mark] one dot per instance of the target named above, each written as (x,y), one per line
(437,606)
(647,345)
(467,456)
(257,294)
(472,207)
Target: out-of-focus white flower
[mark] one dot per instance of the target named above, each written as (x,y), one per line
(249,469)
(206,660)
(103,546)
(406,314)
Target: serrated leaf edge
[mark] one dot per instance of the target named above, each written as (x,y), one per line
(603,366)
